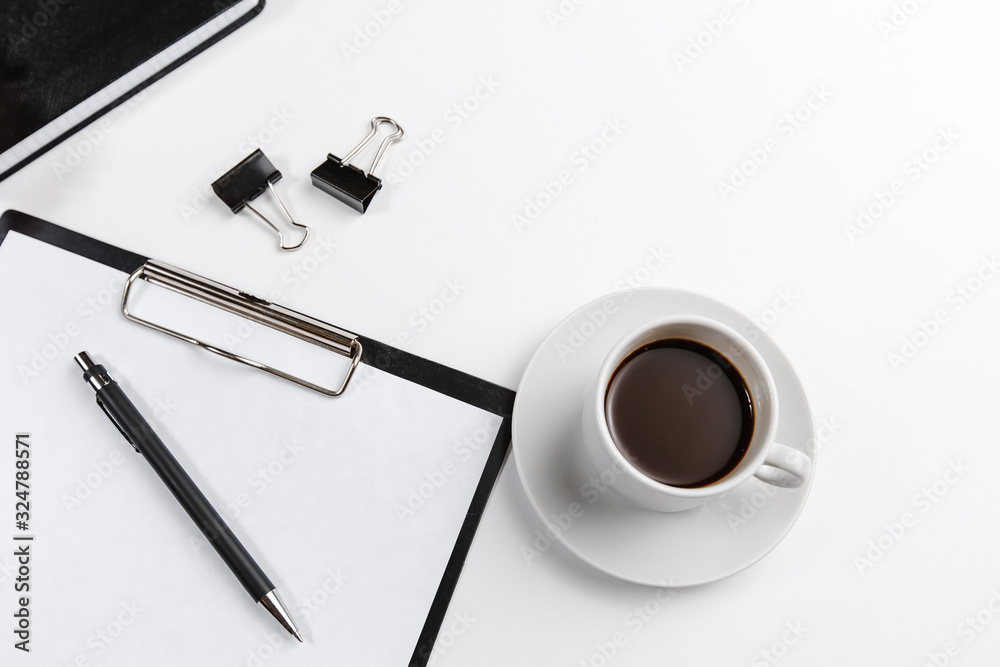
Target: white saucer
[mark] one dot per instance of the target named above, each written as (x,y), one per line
(654,548)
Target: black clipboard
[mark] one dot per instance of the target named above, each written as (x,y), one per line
(474,391)
(56,55)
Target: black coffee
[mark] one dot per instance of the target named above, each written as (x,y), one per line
(680,412)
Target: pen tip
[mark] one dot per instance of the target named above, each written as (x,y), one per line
(273,604)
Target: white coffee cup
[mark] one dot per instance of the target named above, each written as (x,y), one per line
(765,459)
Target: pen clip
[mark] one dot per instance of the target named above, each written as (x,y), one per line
(117,425)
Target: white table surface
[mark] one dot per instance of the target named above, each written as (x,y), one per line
(881,94)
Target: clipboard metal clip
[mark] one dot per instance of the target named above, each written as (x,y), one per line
(252,308)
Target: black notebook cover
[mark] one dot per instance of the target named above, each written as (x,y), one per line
(55,54)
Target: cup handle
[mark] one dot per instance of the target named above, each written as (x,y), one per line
(784,467)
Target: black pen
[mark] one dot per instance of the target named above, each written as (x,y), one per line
(140,435)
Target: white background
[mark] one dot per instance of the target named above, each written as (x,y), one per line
(448,227)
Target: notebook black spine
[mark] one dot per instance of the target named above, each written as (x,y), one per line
(228,30)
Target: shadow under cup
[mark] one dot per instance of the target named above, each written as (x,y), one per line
(683,410)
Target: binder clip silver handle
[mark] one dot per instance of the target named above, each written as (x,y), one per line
(349,184)
(248,180)
(388,141)
(288,217)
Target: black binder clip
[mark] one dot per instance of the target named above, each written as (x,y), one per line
(247,181)
(348,183)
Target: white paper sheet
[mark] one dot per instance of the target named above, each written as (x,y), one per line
(351,505)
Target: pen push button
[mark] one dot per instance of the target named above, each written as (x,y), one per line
(98,377)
